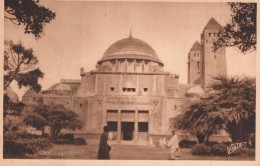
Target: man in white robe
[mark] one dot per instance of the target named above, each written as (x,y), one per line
(174,145)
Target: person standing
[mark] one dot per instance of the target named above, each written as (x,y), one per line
(104,148)
(174,145)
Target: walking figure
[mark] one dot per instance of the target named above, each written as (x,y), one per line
(104,148)
(174,145)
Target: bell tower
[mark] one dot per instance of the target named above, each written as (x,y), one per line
(194,64)
(213,62)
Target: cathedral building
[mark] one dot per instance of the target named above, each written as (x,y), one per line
(131,93)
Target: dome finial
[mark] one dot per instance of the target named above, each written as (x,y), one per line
(130,35)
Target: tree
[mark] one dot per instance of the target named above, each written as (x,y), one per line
(201,119)
(229,104)
(29,13)
(57,117)
(36,121)
(20,64)
(241,31)
(236,100)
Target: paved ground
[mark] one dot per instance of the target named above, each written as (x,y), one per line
(124,152)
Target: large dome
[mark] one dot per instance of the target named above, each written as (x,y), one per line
(130,48)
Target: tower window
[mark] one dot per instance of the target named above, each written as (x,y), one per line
(146,62)
(113,62)
(121,61)
(80,105)
(194,55)
(145,89)
(112,88)
(128,89)
(175,107)
(209,34)
(198,64)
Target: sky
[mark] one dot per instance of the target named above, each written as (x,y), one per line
(82,31)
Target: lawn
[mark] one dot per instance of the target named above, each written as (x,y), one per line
(124,152)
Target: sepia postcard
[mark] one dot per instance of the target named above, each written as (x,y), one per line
(132,82)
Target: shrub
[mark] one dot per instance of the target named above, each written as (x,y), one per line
(64,139)
(24,146)
(69,136)
(27,135)
(12,149)
(227,143)
(221,150)
(80,141)
(187,144)
(218,150)
(200,149)
(211,143)
(34,145)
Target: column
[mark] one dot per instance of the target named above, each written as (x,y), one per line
(136,126)
(105,84)
(100,116)
(134,65)
(142,66)
(96,83)
(88,115)
(154,84)
(126,63)
(116,65)
(162,84)
(119,126)
(104,115)
(137,84)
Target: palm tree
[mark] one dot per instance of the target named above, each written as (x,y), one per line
(229,104)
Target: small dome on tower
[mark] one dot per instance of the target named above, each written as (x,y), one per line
(11,94)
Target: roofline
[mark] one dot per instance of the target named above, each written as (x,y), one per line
(114,58)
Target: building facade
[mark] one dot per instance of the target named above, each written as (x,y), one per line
(129,92)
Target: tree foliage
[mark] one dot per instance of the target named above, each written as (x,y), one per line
(241,31)
(12,108)
(57,117)
(236,100)
(229,104)
(201,119)
(20,64)
(29,13)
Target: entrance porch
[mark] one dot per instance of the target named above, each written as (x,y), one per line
(128,126)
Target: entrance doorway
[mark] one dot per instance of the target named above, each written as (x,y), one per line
(127,130)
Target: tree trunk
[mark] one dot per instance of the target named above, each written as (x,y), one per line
(201,137)
(43,133)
